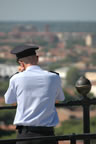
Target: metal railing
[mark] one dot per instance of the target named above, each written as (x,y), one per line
(83,86)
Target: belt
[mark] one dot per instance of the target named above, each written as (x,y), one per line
(35,128)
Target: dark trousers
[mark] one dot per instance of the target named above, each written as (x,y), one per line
(25,132)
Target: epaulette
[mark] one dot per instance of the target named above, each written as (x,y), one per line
(14,74)
(54,72)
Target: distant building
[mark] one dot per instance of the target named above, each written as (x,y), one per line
(7,70)
(90,40)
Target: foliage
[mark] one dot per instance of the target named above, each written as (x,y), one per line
(57,64)
(54,66)
(3,86)
(48,42)
(6,133)
(2,60)
(11,44)
(42,42)
(71,43)
(72,76)
(71,59)
(11,136)
(93,58)
(69,97)
(7,61)
(7,116)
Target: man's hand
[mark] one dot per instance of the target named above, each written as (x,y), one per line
(56,101)
(14,104)
(21,68)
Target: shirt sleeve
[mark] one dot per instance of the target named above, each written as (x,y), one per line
(60,94)
(10,95)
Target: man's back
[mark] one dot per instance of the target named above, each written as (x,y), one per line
(36,92)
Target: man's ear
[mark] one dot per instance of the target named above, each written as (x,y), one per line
(21,63)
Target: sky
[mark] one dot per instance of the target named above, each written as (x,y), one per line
(48,10)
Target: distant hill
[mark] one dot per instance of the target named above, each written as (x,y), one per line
(52,26)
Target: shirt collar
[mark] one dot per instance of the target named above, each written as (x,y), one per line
(33,67)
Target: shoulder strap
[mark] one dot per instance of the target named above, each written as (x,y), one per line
(14,74)
(54,72)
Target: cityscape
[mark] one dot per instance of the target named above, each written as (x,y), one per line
(60,51)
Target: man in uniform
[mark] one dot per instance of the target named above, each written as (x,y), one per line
(35,91)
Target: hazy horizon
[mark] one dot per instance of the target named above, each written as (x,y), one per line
(61,21)
(48,10)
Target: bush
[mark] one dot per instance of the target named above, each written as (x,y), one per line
(6,133)
(3,87)
(7,116)
(72,76)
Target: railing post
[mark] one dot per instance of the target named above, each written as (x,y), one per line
(86,121)
(73,139)
(83,86)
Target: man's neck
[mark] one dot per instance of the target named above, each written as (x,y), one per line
(28,65)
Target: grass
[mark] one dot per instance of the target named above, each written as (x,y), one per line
(75,126)
(12,136)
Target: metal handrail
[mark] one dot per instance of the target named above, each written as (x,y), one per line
(83,87)
(57,138)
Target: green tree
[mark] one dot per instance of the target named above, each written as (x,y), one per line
(71,58)
(93,58)
(7,116)
(72,42)
(72,76)
(3,86)
(69,97)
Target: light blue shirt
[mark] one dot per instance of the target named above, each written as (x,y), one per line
(35,91)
